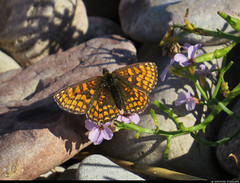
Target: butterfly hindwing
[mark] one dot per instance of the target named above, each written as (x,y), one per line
(135,100)
(103,108)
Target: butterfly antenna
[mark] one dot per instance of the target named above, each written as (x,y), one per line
(111,53)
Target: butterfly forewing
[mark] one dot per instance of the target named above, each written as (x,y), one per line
(142,76)
(76,98)
(136,81)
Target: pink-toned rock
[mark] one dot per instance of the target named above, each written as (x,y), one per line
(35,134)
(31,30)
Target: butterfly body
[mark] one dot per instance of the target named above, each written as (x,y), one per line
(103,97)
(110,81)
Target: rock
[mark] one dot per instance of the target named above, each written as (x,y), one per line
(99,26)
(69,173)
(35,134)
(185,155)
(7,63)
(149,20)
(98,167)
(104,8)
(31,30)
(228,128)
(227,125)
(52,174)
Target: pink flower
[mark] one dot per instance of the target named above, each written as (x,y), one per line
(165,71)
(186,98)
(204,71)
(182,59)
(98,133)
(186,61)
(127,118)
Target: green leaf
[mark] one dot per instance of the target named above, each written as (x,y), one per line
(216,54)
(234,22)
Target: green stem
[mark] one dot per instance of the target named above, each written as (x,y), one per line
(203,93)
(221,79)
(236,91)
(206,32)
(168,111)
(152,112)
(218,85)
(216,110)
(166,152)
(132,126)
(229,112)
(216,143)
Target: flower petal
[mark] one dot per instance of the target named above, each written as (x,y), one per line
(126,120)
(186,46)
(203,70)
(180,58)
(119,118)
(190,104)
(164,73)
(135,118)
(107,124)
(90,125)
(197,46)
(182,97)
(185,64)
(107,133)
(188,95)
(202,67)
(191,52)
(94,134)
(98,141)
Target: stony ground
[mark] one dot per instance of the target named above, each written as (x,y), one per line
(48,45)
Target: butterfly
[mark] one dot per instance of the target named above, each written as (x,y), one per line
(104,98)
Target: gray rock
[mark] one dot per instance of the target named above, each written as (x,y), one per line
(98,167)
(52,174)
(227,125)
(149,20)
(227,129)
(104,8)
(69,173)
(99,26)
(31,30)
